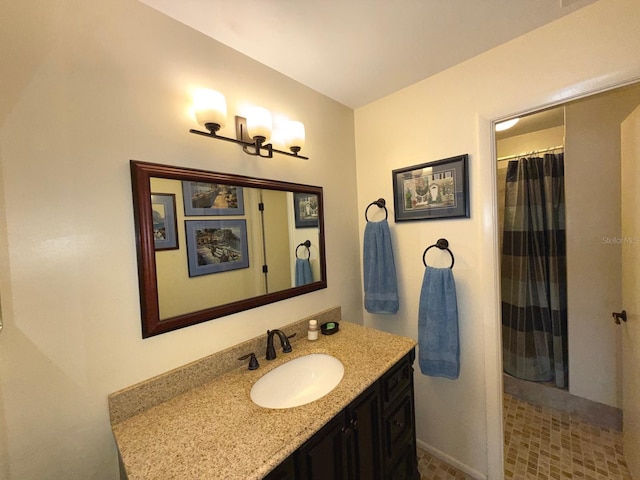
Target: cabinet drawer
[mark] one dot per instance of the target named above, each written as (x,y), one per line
(397,380)
(398,425)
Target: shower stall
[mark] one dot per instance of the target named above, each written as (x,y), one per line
(561,346)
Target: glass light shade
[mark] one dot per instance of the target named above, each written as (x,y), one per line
(506,124)
(210,107)
(259,123)
(295,135)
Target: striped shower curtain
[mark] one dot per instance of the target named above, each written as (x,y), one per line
(534,280)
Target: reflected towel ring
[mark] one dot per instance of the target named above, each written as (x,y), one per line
(379,203)
(442,244)
(306,244)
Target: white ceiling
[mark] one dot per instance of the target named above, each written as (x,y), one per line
(357,51)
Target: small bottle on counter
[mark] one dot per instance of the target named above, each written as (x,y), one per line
(312,332)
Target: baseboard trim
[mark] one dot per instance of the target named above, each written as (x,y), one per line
(451,461)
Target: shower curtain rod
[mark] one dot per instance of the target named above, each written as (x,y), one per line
(520,155)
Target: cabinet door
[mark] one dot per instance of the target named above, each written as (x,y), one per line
(405,466)
(285,471)
(363,417)
(324,456)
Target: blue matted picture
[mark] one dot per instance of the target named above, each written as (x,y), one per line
(215,246)
(165,227)
(201,198)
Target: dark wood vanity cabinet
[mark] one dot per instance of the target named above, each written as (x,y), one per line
(398,440)
(372,439)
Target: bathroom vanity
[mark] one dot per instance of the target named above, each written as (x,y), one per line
(372,438)
(199,421)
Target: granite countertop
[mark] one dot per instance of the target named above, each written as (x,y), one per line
(216,431)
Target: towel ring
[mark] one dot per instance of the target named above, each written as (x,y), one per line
(306,244)
(442,244)
(379,203)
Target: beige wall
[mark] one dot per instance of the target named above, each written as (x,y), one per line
(96,84)
(178,293)
(449,114)
(528,142)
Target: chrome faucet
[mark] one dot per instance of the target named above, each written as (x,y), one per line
(284,341)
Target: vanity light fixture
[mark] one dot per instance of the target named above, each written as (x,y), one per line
(252,133)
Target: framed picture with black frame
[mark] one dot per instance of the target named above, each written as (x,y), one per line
(305,208)
(433,190)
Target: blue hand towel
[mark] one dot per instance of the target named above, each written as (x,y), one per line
(380,284)
(439,352)
(303,272)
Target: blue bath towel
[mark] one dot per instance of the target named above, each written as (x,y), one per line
(380,284)
(438,340)
(303,272)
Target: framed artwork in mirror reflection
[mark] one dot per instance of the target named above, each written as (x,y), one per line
(305,208)
(215,246)
(433,190)
(165,226)
(201,198)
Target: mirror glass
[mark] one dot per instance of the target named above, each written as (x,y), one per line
(212,244)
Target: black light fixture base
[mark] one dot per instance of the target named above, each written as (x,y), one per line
(212,127)
(254,147)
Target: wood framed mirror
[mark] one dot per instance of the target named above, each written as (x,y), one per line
(211,244)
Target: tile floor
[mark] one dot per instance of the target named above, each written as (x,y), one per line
(542,444)
(433,469)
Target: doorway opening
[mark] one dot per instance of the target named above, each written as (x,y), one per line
(589,132)
(531,220)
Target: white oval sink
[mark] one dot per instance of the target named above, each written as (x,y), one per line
(297,382)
